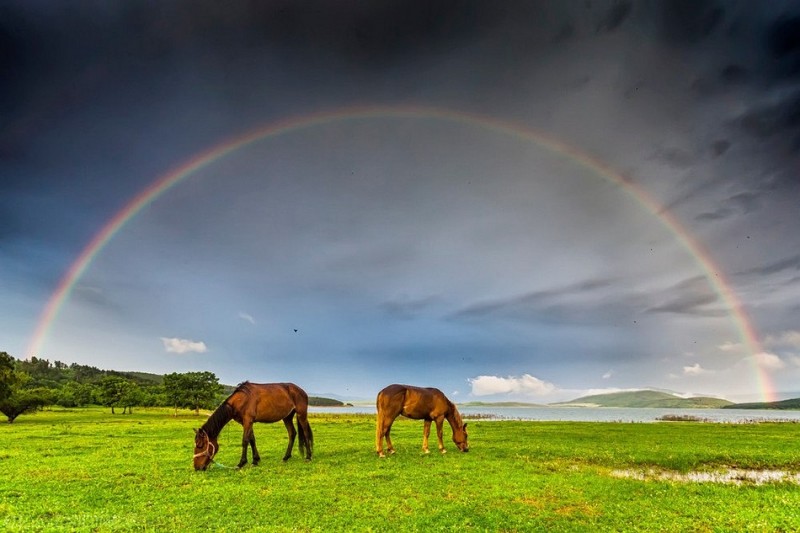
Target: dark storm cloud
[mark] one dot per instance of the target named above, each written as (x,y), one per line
(552,305)
(745,201)
(739,204)
(773,69)
(689,297)
(750,56)
(375,34)
(779,115)
(371,34)
(719,214)
(688,22)
(614,17)
(786,264)
(678,158)
(588,302)
(783,37)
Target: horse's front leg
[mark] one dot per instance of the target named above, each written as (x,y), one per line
(439,423)
(426,431)
(247,433)
(292,433)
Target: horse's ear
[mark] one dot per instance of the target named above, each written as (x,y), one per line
(465,425)
(195,431)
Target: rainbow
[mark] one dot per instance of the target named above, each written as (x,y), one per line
(163,184)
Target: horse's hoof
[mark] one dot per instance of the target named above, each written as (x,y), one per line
(426,451)
(286,458)
(392,452)
(381,455)
(443,451)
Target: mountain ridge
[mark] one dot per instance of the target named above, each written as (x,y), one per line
(645,398)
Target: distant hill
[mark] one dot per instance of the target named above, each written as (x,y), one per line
(318,401)
(144,377)
(645,398)
(793,403)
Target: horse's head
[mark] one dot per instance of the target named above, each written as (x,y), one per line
(460,438)
(205,449)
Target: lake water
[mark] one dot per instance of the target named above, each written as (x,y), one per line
(595,414)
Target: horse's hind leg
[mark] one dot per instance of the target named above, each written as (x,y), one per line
(292,433)
(256,456)
(389,445)
(379,436)
(382,428)
(306,437)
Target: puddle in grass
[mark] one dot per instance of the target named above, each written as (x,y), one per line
(734,476)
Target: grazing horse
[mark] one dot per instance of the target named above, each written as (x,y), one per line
(427,404)
(256,402)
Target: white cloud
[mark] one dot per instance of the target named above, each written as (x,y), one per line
(525,384)
(769,361)
(729,346)
(247,317)
(694,370)
(787,339)
(175,345)
(608,374)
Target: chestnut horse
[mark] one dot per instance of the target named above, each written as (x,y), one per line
(256,402)
(417,403)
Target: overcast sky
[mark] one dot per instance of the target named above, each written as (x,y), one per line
(353,253)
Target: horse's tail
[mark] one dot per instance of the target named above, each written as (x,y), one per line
(305,437)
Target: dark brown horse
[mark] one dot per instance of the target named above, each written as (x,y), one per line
(418,403)
(256,402)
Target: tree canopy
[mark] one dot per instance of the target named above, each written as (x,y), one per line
(193,390)
(27,385)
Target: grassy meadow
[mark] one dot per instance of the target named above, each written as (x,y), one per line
(88,470)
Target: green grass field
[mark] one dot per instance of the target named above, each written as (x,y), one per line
(86,470)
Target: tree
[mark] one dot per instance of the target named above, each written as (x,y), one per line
(20,400)
(132,396)
(15,398)
(74,394)
(113,390)
(154,396)
(192,389)
(23,401)
(8,375)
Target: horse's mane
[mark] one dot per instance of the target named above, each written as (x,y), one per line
(221,416)
(456,414)
(224,413)
(244,387)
